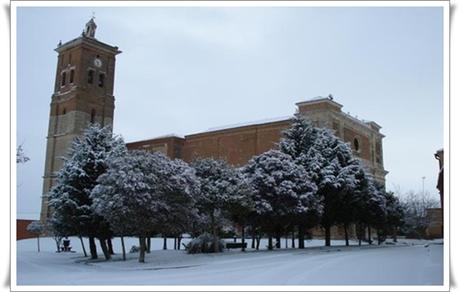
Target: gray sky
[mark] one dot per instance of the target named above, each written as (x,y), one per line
(184,70)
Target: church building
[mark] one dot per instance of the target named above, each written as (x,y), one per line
(83,94)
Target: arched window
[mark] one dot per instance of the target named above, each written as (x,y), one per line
(90,76)
(101,80)
(93,115)
(63,77)
(72,73)
(356,144)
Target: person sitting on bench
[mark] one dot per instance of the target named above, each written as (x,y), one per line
(66,245)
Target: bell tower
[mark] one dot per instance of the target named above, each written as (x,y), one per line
(83,94)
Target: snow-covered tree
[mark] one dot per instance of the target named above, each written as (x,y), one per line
(179,193)
(128,195)
(415,214)
(218,181)
(281,191)
(20,155)
(240,205)
(70,202)
(394,214)
(329,163)
(37,228)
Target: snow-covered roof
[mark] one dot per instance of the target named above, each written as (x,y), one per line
(253,123)
(158,137)
(317,99)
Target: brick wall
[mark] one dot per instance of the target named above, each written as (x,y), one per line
(21,229)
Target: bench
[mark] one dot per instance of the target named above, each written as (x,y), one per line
(230,245)
(66,245)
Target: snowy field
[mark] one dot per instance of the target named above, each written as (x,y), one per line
(410,262)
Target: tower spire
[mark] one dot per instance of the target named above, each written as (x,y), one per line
(90,28)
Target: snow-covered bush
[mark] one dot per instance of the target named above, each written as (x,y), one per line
(35,227)
(134,249)
(204,244)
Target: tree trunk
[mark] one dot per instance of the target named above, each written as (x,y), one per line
(301,237)
(369,234)
(104,248)
(175,243)
(58,248)
(214,233)
(92,248)
(242,239)
(345,228)
(257,242)
(149,244)
(123,248)
(83,246)
(253,243)
(278,240)
(293,240)
(165,245)
(327,235)
(142,249)
(286,241)
(109,245)
(179,239)
(270,242)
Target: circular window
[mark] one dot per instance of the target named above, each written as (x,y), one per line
(356,144)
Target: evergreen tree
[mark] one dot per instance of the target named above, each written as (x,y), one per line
(218,181)
(70,197)
(329,163)
(129,195)
(178,194)
(240,205)
(281,191)
(394,214)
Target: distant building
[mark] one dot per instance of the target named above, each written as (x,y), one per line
(237,144)
(83,94)
(436,215)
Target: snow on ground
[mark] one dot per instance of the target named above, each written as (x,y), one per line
(410,262)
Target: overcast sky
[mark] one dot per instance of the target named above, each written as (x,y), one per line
(184,70)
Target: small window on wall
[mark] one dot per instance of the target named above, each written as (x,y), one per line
(72,73)
(63,77)
(356,144)
(101,80)
(64,111)
(90,76)
(93,115)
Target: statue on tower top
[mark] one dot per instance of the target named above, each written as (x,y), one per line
(90,28)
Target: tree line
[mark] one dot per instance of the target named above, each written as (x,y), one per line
(105,191)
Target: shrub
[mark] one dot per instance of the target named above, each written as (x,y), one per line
(203,244)
(134,249)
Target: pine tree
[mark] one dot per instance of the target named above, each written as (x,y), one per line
(329,163)
(129,194)
(240,205)
(70,197)
(281,191)
(178,194)
(218,181)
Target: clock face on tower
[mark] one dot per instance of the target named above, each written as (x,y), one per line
(97,62)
